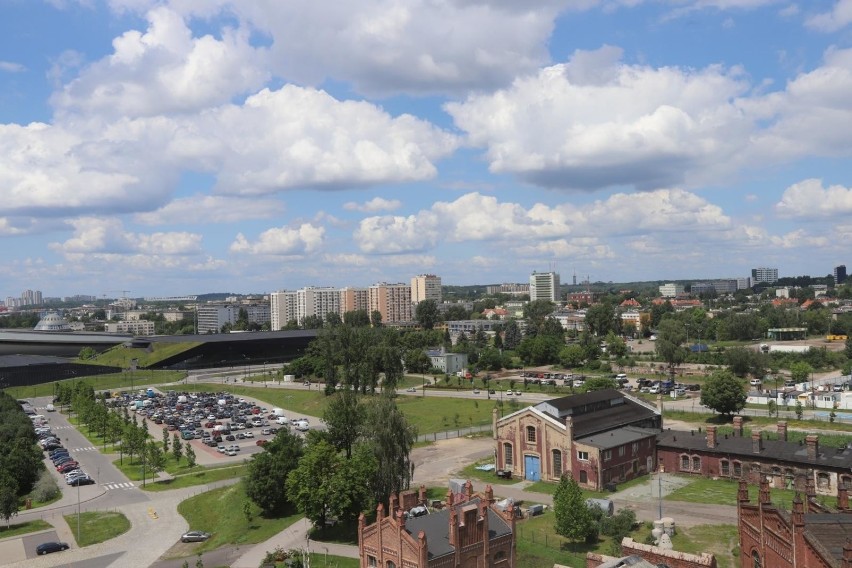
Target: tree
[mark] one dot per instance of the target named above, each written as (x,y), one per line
(87,353)
(416,361)
(8,496)
(600,319)
(268,471)
(771,408)
(426,314)
(165,439)
(800,371)
(376,318)
(177,448)
(391,439)
(512,336)
(155,458)
(670,335)
(799,410)
(574,521)
(190,456)
(356,318)
(724,393)
(599,383)
(344,419)
(572,356)
(848,346)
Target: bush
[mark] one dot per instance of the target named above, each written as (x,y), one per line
(45,488)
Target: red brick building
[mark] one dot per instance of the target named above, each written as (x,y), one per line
(598,437)
(469,532)
(787,464)
(809,536)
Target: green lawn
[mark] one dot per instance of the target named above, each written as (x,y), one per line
(321,560)
(723,492)
(220,512)
(111,381)
(701,419)
(97,526)
(723,541)
(24,528)
(133,468)
(121,356)
(202,477)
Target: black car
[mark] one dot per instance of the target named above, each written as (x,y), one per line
(81,481)
(230,438)
(48,547)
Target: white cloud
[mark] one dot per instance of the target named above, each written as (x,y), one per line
(594,122)
(837,18)
(475,217)
(165,69)
(798,239)
(810,199)
(363,261)
(373,205)
(108,236)
(11,67)
(211,209)
(282,241)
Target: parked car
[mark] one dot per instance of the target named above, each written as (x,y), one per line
(194,536)
(48,547)
(411,389)
(67,466)
(755,382)
(249,434)
(82,480)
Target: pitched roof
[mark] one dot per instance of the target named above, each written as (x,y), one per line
(829,531)
(436,527)
(617,437)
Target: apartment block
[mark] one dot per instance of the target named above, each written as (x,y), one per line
(544,286)
(393,301)
(211,317)
(671,290)
(510,289)
(134,327)
(282,306)
(354,299)
(315,301)
(763,274)
(426,287)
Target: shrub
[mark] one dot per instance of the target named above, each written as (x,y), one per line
(45,488)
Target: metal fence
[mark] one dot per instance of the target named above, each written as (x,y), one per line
(457,433)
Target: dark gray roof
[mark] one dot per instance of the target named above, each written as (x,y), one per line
(575,400)
(773,450)
(613,417)
(229,337)
(436,527)
(830,531)
(617,437)
(27,360)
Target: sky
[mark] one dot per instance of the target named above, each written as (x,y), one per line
(172,147)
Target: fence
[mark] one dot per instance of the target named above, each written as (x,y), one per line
(532,539)
(450,434)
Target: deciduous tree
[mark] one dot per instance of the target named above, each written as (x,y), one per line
(574,521)
(724,393)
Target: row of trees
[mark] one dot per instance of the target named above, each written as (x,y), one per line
(20,457)
(360,460)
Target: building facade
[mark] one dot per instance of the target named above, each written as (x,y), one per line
(544,286)
(468,531)
(426,287)
(449,363)
(764,275)
(671,290)
(211,317)
(509,289)
(840,274)
(354,300)
(811,535)
(393,301)
(135,327)
(599,438)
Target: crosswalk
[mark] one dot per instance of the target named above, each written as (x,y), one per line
(84,449)
(61,427)
(113,486)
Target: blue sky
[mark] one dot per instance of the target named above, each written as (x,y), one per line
(185,146)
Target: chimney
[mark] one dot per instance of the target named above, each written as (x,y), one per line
(489,494)
(763,497)
(742,491)
(812,440)
(842,497)
(798,511)
(454,527)
(468,490)
(380,512)
(782,431)
(756,442)
(738,426)
(421,497)
(847,554)
(711,436)
(569,428)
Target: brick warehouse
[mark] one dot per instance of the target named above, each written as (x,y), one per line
(789,465)
(809,536)
(469,532)
(599,437)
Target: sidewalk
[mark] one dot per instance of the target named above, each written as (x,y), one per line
(293,537)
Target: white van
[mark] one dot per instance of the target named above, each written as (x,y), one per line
(50,408)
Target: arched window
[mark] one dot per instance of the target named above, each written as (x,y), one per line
(557,463)
(584,477)
(500,556)
(823,481)
(738,469)
(508,460)
(755,559)
(684,463)
(371,562)
(846,481)
(696,463)
(725,467)
(530,433)
(391,564)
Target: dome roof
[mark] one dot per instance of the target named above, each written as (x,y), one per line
(52,322)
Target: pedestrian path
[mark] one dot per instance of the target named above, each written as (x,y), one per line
(111,486)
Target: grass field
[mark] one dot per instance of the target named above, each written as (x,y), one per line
(23,528)
(207,475)
(121,356)
(724,492)
(319,560)
(111,381)
(701,419)
(220,512)
(97,526)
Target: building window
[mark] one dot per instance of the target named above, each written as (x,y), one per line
(371,562)
(621,451)
(635,448)
(846,481)
(500,556)
(582,455)
(725,467)
(684,463)
(738,469)
(557,463)
(530,433)
(507,455)
(696,463)
(607,455)
(584,477)
(755,559)
(823,481)
(390,564)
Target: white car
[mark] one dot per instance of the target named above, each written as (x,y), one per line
(755,382)
(249,434)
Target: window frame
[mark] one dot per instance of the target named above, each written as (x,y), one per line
(685,462)
(582,455)
(508,455)
(532,435)
(556,459)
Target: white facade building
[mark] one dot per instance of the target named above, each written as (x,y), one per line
(135,327)
(544,286)
(671,290)
(763,274)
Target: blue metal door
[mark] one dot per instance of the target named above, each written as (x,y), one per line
(532,468)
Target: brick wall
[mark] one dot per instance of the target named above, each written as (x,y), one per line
(672,558)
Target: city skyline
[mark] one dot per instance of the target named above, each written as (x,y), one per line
(171,147)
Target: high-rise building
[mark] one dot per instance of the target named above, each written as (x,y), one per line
(31,298)
(763,274)
(426,287)
(393,301)
(282,308)
(211,317)
(510,289)
(544,286)
(744,283)
(839,274)
(671,290)
(354,300)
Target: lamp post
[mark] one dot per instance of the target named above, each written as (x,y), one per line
(78,511)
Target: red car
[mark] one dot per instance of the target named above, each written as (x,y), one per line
(67,466)
(262,443)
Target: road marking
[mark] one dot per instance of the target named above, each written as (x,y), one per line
(86,449)
(110,486)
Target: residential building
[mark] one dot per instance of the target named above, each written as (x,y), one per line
(810,535)
(448,363)
(744,283)
(544,286)
(211,317)
(31,298)
(787,464)
(671,290)
(134,327)
(570,320)
(509,289)
(726,286)
(470,327)
(699,288)
(317,302)
(840,274)
(282,308)
(468,531)
(585,297)
(426,287)
(354,300)
(599,438)
(763,274)
(392,301)
(782,292)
